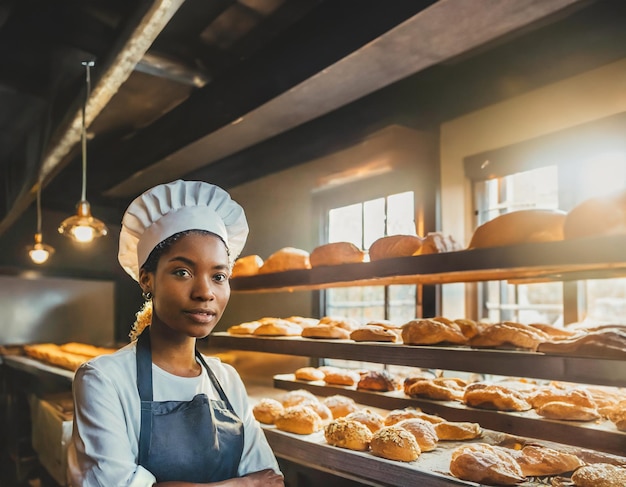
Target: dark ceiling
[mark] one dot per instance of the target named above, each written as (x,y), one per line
(231,90)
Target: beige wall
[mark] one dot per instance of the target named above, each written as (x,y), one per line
(281,212)
(582,98)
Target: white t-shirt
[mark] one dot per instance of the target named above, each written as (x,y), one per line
(105,438)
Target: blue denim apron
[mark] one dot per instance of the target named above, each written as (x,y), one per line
(189,441)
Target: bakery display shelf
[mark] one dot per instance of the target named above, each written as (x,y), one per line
(601,436)
(38,368)
(585,258)
(584,370)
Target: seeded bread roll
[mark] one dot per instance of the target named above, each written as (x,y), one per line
(335,254)
(247,266)
(349,434)
(267,410)
(286,259)
(423,431)
(517,227)
(395,443)
(394,246)
(599,475)
(300,419)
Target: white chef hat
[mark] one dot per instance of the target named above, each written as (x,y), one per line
(174,207)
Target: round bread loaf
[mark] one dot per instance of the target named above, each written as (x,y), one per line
(600,475)
(300,419)
(247,266)
(372,333)
(342,377)
(423,431)
(394,246)
(246,328)
(286,259)
(517,227)
(454,431)
(381,381)
(369,418)
(267,410)
(398,415)
(340,405)
(349,434)
(395,443)
(335,254)
(597,216)
(309,374)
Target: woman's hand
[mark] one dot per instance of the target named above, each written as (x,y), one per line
(264,478)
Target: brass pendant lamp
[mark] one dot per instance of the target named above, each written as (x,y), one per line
(39,252)
(83,227)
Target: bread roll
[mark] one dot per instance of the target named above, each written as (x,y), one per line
(286,259)
(267,410)
(542,461)
(369,418)
(576,396)
(438,389)
(374,334)
(325,331)
(340,405)
(423,431)
(394,246)
(300,419)
(335,254)
(597,216)
(247,266)
(517,227)
(347,324)
(599,475)
(456,431)
(349,434)
(487,464)
(567,411)
(246,328)
(491,396)
(298,396)
(85,349)
(381,381)
(508,334)
(395,443)
(309,374)
(430,332)
(278,328)
(342,377)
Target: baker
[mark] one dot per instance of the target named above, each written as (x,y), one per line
(157,411)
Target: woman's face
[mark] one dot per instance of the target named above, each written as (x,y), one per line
(190,286)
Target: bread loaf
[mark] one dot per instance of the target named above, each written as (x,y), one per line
(486,464)
(247,266)
(517,227)
(423,432)
(286,259)
(335,254)
(597,216)
(349,434)
(395,443)
(599,475)
(300,419)
(394,246)
(267,410)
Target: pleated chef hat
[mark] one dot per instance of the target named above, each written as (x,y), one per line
(174,207)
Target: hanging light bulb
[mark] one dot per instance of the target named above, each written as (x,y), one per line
(39,252)
(83,227)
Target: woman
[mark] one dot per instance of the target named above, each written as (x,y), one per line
(157,412)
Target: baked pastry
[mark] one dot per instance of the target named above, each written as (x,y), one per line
(267,410)
(617,414)
(302,321)
(395,443)
(491,396)
(607,342)
(455,431)
(345,323)
(483,463)
(567,411)
(439,389)
(554,332)
(437,242)
(386,324)
(300,419)
(85,349)
(369,418)
(541,461)
(52,354)
(381,381)
(297,396)
(576,396)
(286,259)
(248,265)
(429,332)
(349,434)
(372,333)
(340,405)
(509,334)
(517,227)
(335,254)
(277,327)
(597,216)
(321,409)
(397,415)
(394,246)
(599,475)
(469,328)
(423,431)
(342,377)
(309,374)
(246,328)
(325,331)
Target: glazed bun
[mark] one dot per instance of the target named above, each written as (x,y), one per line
(267,410)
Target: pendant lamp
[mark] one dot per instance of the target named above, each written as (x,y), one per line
(39,252)
(83,227)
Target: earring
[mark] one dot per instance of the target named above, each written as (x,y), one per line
(146,295)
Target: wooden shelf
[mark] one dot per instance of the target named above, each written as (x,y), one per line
(584,370)
(585,258)
(602,436)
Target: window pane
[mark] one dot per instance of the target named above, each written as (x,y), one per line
(346,225)
(401,303)
(401,214)
(374,221)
